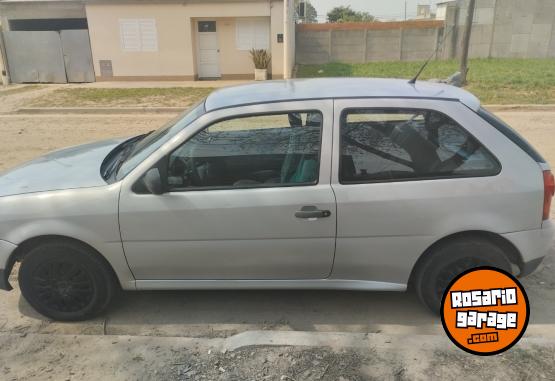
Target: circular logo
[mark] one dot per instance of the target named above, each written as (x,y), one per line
(485,311)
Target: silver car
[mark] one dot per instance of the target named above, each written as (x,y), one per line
(353,184)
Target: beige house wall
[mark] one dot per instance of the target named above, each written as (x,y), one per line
(276,27)
(177,39)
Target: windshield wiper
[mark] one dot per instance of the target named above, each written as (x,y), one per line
(128,152)
(125,150)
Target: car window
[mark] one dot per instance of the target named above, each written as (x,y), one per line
(155,140)
(382,145)
(511,134)
(250,151)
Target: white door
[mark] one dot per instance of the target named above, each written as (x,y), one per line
(208,50)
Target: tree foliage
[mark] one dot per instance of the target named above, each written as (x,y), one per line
(347,14)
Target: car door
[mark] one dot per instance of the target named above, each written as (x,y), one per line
(248,197)
(407,172)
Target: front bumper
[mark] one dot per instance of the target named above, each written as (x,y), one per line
(6,250)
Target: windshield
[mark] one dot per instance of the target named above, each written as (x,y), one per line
(156,139)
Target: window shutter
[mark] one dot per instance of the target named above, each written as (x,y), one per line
(138,35)
(244,34)
(149,35)
(253,34)
(130,36)
(261,34)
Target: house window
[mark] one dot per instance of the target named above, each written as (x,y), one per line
(207,26)
(138,35)
(253,34)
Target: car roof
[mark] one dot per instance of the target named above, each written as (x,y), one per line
(335,88)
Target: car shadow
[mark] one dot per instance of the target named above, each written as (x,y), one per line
(221,313)
(225,313)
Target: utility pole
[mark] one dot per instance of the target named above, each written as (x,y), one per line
(466,41)
(405,10)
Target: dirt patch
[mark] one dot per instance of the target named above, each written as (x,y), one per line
(534,363)
(68,357)
(18,90)
(138,358)
(23,137)
(270,363)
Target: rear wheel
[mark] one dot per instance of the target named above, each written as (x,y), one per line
(450,259)
(66,281)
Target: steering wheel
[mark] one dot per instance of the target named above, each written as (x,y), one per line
(192,172)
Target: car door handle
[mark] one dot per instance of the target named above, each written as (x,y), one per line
(308,212)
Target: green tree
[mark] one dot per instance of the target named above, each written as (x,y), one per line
(310,16)
(347,14)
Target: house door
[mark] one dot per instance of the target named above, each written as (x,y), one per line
(208,50)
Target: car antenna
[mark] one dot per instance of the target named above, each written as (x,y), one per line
(415,78)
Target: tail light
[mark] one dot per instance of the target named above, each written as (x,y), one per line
(548,192)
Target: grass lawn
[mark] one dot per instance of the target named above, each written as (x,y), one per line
(139,97)
(494,81)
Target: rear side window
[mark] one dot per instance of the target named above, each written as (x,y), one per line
(397,145)
(511,134)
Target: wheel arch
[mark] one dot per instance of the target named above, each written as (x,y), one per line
(511,252)
(29,244)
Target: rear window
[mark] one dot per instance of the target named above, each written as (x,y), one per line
(511,134)
(408,144)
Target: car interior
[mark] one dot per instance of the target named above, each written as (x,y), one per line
(250,156)
(394,145)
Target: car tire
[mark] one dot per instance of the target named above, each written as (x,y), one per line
(450,259)
(66,281)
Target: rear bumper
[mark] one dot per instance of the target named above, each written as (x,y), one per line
(533,246)
(6,250)
(528,268)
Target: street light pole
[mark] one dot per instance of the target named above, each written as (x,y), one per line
(466,41)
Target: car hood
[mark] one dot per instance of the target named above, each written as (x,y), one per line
(69,168)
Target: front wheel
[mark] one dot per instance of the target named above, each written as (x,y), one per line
(451,259)
(66,281)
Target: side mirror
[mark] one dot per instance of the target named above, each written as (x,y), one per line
(153,181)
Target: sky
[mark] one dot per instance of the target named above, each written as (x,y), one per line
(383,9)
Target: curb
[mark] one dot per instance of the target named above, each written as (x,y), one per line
(524,107)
